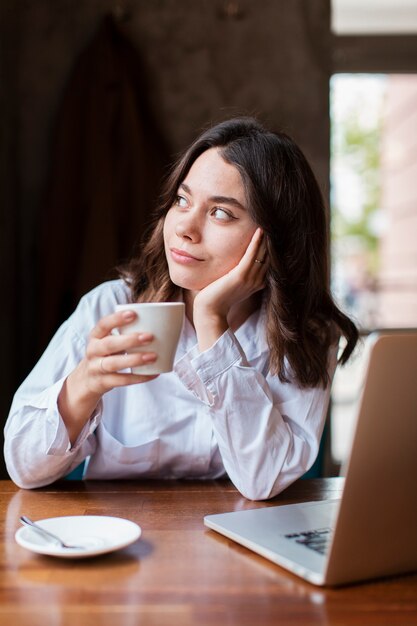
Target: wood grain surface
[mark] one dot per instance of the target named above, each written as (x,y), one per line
(178,572)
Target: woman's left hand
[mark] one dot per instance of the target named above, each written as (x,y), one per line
(213,304)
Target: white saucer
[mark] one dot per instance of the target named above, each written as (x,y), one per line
(97,534)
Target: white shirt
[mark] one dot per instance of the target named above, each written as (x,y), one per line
(219,411)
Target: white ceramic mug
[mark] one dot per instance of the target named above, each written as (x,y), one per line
(164,320)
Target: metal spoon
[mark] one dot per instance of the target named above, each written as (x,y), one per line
(46,533)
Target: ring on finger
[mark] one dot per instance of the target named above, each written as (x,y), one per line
(102,368)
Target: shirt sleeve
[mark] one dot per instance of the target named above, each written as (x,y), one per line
(37,449)
(268,432)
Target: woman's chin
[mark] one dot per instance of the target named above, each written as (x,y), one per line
(186,286)
(188,283)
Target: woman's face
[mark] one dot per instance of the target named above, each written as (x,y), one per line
(208,229)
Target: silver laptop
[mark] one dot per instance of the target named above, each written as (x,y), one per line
(372,530)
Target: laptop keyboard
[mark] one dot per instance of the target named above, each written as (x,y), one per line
(318,540)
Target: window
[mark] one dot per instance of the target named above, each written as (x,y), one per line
(373,218)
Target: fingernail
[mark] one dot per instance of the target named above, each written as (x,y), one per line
(145,338)
(128,315)
(148,358)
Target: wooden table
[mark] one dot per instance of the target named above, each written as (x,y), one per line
(179,572)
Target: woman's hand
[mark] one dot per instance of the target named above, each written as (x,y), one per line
(214,304)
(107,354)
(100,370)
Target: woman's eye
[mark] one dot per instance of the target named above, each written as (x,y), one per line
(181,201)
(222,215)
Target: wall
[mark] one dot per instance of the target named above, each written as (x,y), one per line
(398,271)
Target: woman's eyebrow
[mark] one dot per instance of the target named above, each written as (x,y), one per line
(228,200)
(219,199)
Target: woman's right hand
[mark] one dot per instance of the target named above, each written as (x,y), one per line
(107,354)
(100,370)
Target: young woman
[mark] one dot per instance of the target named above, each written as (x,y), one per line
(240,235)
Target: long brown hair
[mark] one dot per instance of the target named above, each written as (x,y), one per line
(284,199)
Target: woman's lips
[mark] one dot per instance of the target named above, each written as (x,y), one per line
(180,256)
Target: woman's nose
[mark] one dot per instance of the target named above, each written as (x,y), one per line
(188,228)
